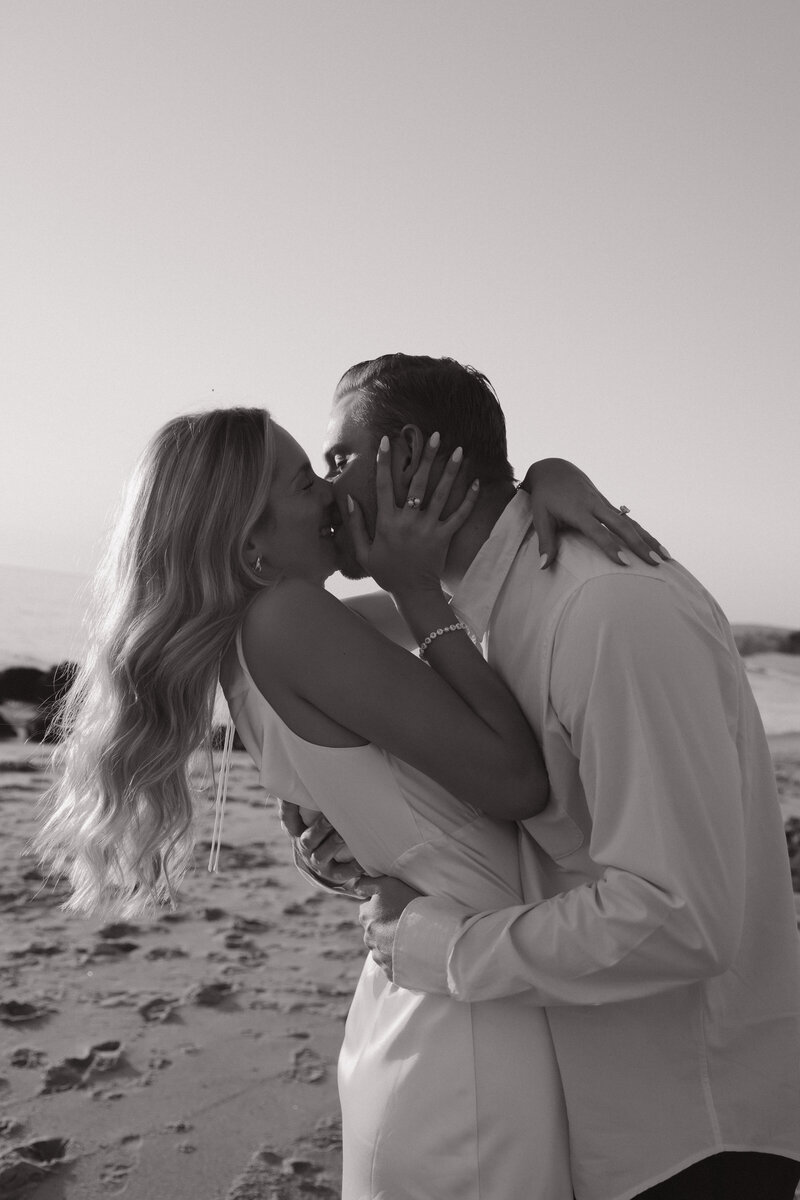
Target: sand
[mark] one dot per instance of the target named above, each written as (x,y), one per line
(192,1056)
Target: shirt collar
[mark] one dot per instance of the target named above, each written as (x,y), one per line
(476,594)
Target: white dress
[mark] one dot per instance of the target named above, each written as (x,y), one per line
(440,1100)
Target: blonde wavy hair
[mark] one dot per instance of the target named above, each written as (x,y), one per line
(167,601)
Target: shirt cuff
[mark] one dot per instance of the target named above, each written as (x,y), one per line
(421,951)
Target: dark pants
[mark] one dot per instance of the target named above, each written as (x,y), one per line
(731,1176)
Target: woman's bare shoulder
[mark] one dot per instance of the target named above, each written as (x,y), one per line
(290,613)
(286,599)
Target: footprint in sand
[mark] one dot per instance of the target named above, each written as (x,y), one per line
(77,1072)
(36,950)
(212,995)
(214,914)
(310,1168)
(16,1012)
(155,953)
(236,858)
(108,949)
(307,1066)
(158,1010)
(118,931)
(173,918)
(10,1127)
(25,1164)
(26,1056)
(251,925)
(114,1173)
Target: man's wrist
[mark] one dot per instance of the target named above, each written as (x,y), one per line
(422,943)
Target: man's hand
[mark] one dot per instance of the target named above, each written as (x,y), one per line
(320,848)
(380,913)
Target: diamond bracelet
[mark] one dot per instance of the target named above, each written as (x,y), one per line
(435,633)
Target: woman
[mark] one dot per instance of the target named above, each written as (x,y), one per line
(220,558)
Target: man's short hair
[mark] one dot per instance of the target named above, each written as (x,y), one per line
(433,394)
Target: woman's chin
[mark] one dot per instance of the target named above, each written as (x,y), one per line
(346,562)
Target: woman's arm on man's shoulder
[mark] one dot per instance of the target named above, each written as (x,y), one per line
(380,610)
(466,732)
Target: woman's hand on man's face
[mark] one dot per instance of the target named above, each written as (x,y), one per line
(409,549)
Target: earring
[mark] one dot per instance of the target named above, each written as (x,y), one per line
(258,565)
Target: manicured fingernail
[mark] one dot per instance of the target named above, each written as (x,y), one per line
(623,558)
(384,443)
(457,454)
(350,505)
(655,558)
(665,554)
(434,441)
(476,483)
(543,561)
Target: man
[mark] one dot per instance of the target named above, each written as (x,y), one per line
(660,936)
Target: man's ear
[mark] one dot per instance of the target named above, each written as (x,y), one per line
(407,448)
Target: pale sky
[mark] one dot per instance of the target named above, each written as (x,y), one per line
(214,202)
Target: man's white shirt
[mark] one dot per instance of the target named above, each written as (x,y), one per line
(660,930)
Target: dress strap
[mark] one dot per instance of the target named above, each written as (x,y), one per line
(222,795)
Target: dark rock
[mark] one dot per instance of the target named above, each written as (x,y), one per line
(793,846)
(765,639)
(218,739)
(42,729)
(29,685)
(45,725)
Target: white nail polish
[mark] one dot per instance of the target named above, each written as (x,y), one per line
(665,553)
(434,442)
(384,443)
(543,561)
(457,455)
(623,558)
(655,558)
